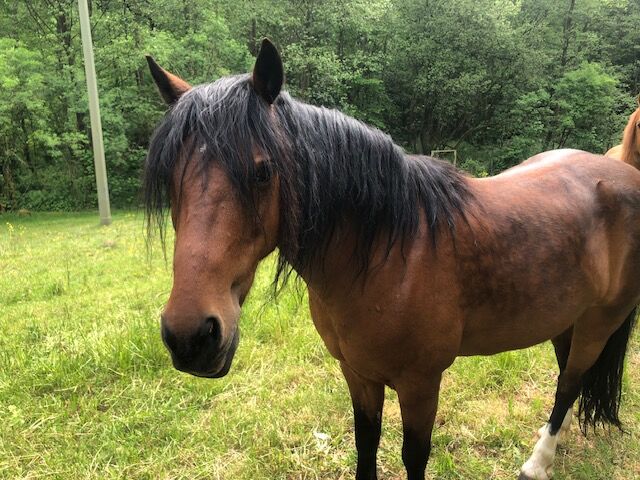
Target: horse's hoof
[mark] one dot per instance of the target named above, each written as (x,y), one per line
(536,476)
(524,476)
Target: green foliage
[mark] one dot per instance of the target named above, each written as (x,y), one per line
(495,79)
(24,117)
(586,101)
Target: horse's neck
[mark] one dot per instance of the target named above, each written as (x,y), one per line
(631,155)
(630,142)
(635,154)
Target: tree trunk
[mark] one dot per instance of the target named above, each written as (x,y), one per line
(253,42)
(566,34)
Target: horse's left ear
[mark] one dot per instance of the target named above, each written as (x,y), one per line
(171,86)
(268,73)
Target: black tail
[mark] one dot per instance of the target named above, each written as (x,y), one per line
(602,384)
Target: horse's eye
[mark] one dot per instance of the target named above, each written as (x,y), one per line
(263,173)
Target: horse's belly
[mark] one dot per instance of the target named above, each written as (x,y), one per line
(512,338)
(489,332)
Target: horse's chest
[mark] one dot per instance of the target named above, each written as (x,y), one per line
(352,336)
(380,339)
(325,325)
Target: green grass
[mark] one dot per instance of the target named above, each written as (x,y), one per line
(87,389)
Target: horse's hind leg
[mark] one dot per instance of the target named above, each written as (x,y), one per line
(596,329)
(562,346)
(538,467)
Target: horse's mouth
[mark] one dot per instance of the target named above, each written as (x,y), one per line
(220,372)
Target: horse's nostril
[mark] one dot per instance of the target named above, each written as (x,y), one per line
(213,327)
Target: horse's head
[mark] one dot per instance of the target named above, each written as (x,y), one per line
(212,161)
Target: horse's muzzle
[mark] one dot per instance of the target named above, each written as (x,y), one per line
(202,353)
(228,359)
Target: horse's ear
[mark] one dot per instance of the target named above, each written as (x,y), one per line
(171,86)
(268,73)
(638,100)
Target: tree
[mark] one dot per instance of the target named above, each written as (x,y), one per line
(496,79)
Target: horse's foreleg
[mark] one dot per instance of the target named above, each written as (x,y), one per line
(418,404)
(367,398)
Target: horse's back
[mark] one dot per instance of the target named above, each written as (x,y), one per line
(569,187)
(551,237)
(614,152)
(571,165)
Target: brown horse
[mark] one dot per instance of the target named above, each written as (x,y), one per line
(408,262)
(629,150)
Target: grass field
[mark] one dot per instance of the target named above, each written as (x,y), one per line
(87,389)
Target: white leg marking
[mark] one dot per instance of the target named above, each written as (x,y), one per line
(540,464)
(564,428)
(566,423)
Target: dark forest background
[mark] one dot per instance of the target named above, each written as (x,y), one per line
(497,80)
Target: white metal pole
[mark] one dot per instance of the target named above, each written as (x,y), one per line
(94,113)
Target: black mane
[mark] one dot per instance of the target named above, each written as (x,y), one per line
(332,169)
